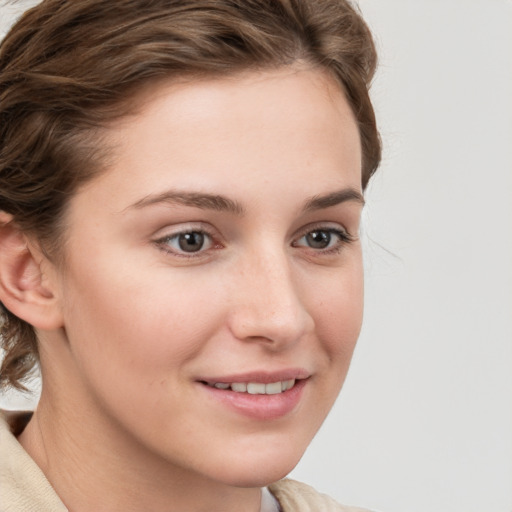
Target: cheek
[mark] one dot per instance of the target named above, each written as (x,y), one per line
(136,323)
(339,313)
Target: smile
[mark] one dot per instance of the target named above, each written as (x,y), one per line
(256,388)
(257,400)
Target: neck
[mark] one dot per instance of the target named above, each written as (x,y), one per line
(92,466)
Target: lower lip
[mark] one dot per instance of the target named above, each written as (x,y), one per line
(260,407)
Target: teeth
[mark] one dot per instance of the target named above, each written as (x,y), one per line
(274,388)
(254,388)
(239,387)
(288,384)
(257,388)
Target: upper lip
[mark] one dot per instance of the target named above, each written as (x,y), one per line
(260,376)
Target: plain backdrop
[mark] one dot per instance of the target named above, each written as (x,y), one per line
(424,422)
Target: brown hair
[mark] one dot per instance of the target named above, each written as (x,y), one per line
(67,66)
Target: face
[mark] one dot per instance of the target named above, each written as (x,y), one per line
(212,291)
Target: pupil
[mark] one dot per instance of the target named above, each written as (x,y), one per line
(191,242)
(319,239)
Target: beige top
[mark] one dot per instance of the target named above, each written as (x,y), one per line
(24,488)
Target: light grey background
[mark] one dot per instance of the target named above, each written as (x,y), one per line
(425,419)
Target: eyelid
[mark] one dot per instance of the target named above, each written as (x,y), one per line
(332,227)
(182,229)
(342,233)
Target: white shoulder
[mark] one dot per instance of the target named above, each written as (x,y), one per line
(295,496)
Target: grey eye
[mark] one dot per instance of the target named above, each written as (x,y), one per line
(322,239)
(318,239)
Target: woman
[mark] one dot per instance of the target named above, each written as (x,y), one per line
(181,186)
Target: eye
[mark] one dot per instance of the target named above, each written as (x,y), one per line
(187,242)
(324,239)
(318,239)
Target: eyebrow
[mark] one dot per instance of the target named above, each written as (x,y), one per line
(200,200)
(333,199)
(216,202)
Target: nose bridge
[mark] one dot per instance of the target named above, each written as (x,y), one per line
(268,305)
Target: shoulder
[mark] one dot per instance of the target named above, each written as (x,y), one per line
(23,485)
(295,496)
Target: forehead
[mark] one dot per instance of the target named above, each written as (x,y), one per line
(287,123)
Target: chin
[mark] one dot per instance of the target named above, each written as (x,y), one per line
(259,478)
(261,469)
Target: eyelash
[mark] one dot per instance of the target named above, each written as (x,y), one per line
(163,243)
(344,238)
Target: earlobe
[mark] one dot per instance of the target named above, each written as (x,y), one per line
(24,289)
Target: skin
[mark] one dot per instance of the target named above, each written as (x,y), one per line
(123,422)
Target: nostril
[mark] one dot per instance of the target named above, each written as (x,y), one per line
(271,327)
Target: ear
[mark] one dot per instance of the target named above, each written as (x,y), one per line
(26,289)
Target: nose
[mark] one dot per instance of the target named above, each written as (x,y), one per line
(267,304)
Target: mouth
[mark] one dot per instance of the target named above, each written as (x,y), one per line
(255,388)
(258,396)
